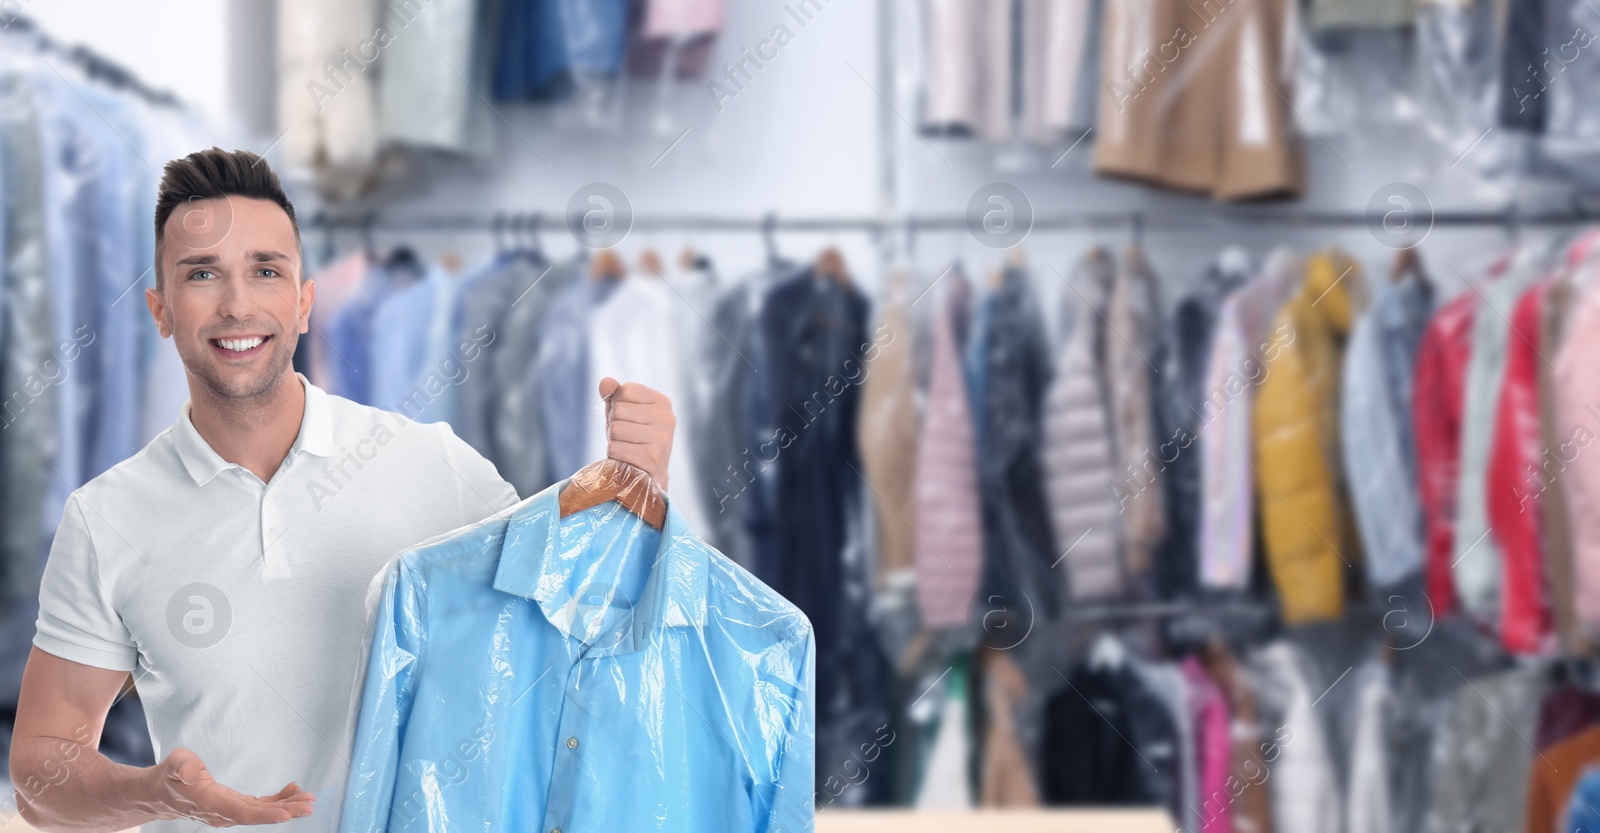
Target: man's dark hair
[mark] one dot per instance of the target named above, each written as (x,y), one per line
(208,174)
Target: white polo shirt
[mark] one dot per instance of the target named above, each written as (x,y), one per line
(239,605)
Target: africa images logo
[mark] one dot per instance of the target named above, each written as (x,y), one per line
(198,615)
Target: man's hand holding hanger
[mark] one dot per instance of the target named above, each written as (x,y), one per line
(639,427)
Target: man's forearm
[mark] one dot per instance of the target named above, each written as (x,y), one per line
(63,786)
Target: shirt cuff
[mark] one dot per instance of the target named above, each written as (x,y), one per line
(109,657)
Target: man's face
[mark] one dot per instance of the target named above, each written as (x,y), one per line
(231,297)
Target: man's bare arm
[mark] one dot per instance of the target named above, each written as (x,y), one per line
(64,784)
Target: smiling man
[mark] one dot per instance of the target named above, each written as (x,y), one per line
(214,566)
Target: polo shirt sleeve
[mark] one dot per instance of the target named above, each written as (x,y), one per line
(78,620)
(480,490)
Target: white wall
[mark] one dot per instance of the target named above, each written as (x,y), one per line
(800,139)
(194,48)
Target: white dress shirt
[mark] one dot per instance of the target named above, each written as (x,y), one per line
(641,333)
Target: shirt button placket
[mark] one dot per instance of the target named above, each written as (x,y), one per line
(272,534)
(565,777)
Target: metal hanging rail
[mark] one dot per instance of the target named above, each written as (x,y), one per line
(1143,220)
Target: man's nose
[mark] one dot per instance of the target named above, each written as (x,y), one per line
(237,299)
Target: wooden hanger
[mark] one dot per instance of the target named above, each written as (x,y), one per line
(1133,256)
(1386,650)
(1406,263)
(830,264)
(451,261)
(650,264)
(608,480)
(605,265)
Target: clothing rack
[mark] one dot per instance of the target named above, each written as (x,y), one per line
(1102,611)
(1138,220)
(92,63)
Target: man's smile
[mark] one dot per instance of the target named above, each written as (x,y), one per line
(239,347)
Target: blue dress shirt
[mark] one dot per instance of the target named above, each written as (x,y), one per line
(410,343)
(587,673)
(1582,817)
(352,334)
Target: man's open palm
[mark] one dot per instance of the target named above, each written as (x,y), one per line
(196,795)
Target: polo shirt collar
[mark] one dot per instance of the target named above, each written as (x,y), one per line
(674,595)
(203,462)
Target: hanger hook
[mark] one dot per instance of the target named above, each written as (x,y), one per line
(768,227)
(320,220)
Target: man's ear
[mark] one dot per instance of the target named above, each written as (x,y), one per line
(308,294)
(158,311)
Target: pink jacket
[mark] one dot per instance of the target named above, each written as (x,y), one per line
(1213,747)
(947,499)
(1576,458)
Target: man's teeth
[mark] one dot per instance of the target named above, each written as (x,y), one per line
(240,344)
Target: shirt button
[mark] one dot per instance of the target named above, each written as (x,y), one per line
(555,830)
(572,743)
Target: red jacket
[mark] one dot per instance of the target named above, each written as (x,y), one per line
(1513,487)
(1436,409)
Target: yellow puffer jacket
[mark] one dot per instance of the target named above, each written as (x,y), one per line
(1307,528)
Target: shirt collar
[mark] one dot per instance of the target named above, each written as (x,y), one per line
(674,595)
(204,463)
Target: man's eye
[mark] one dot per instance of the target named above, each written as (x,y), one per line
(269,273)
(201,274)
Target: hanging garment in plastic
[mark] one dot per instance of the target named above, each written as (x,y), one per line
(1475,568)
(1513,486)
(1457,79)
(1182,403)
(1306,525)
(948,508)
(1013,378)
(1246,339)
(1079,444)
(1131,374)
(535,672)
(1378,445)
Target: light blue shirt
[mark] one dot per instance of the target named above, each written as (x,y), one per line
(582,674)
(119,313)
(1379,449)
(350,336)
(70,167)
(412,371)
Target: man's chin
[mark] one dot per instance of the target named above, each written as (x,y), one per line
(242,383)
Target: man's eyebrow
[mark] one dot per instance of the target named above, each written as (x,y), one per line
(265,255)
(198,260)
